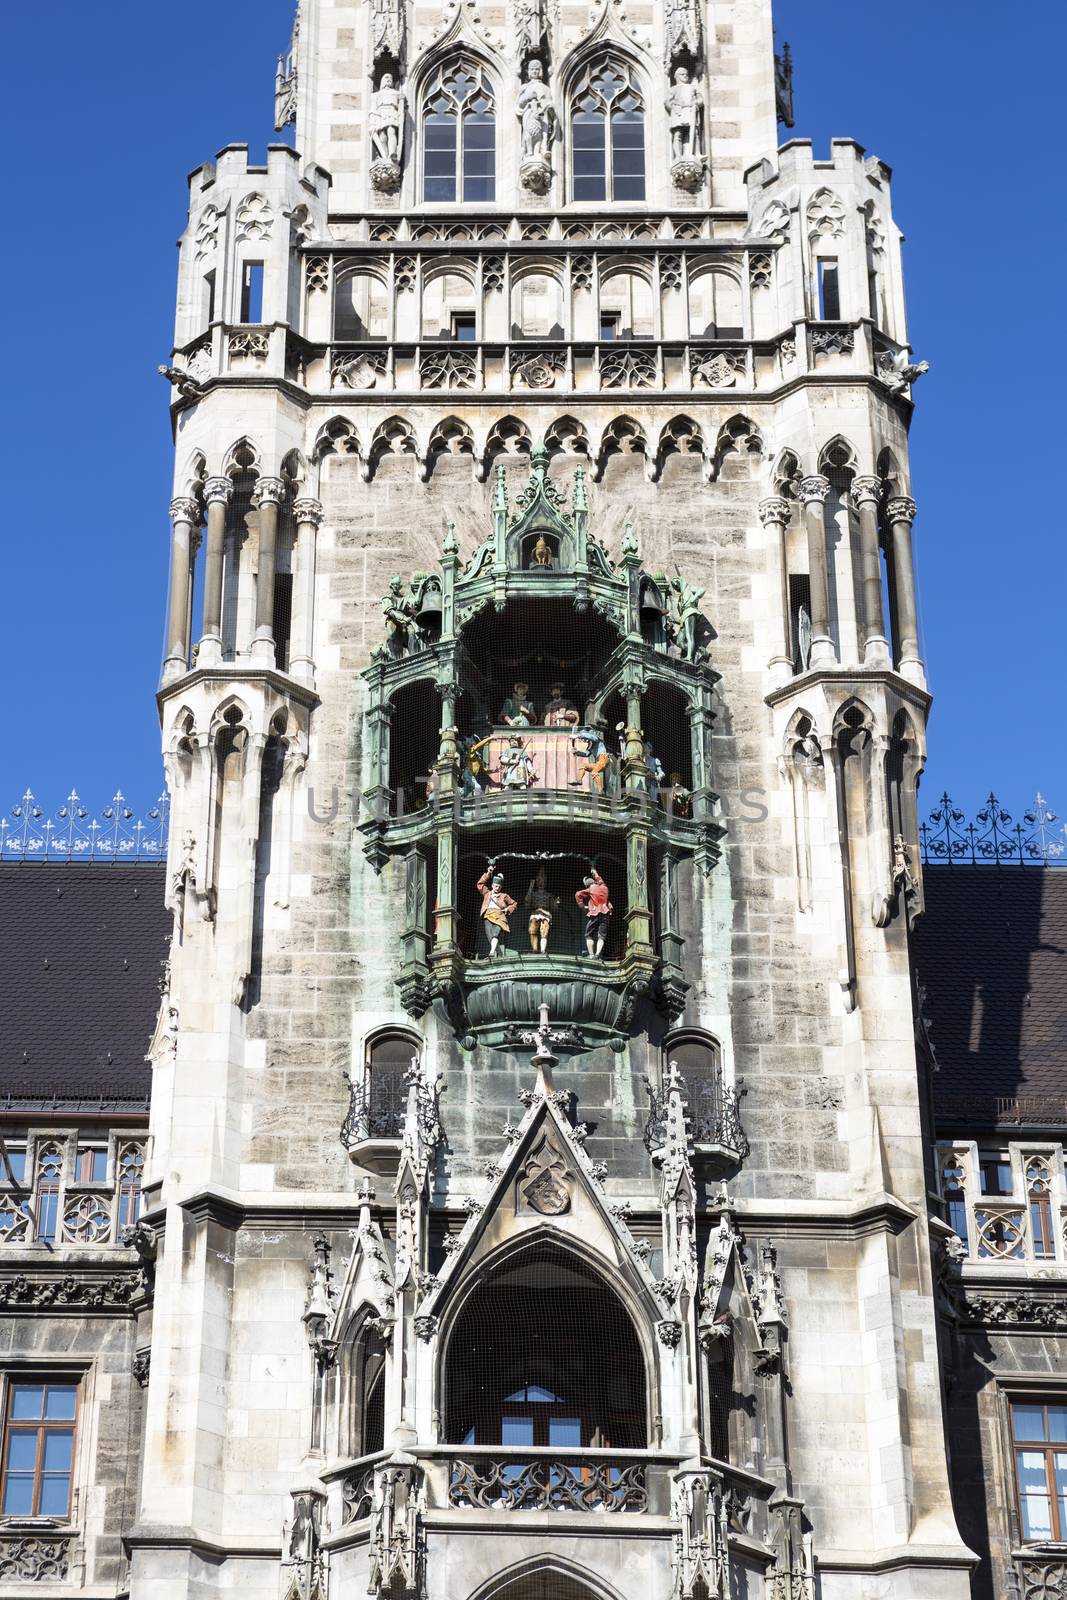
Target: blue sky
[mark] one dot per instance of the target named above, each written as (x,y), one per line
(105,121)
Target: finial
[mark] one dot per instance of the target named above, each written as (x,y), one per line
(500,503)
(580,502)
(451,544)
(629,540)
(539,459)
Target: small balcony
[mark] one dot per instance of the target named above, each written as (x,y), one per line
(714,1118)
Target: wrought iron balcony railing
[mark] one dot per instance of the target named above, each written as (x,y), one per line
(714,1117)
(551,1483)
(375,1111)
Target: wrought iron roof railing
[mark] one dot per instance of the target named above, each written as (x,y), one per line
(993,837)
(73,833)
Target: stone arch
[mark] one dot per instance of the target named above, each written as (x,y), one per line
(449,288)
(450,437)
(508,436)
(785,472)
(549,320)
(622,436)
(716,302)
(457,48)
(360,301)
(547,1251)
(567,437)
(542,1577)
(338,437)
(837,455)
(395,436)
(191,480)
(684,437)
(242,456)
(737,438)
(359,1386)
(891,472)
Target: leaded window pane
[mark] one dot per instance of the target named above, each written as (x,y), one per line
(606,167)
(459,136)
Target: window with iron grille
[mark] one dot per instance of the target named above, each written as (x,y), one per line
(40,1420)
(699,1060)
(389,1058)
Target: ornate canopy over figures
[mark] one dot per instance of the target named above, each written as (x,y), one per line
(538,724)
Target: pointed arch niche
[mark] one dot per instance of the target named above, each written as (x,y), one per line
(524,1361)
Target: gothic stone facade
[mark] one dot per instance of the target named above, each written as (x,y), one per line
(492,1240)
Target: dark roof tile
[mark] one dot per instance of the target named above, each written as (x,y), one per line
(81,948)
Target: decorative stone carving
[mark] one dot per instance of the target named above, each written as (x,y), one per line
(826,215)
(670,272)
(716,369)
(531,27)
(783,84)
(1042,1579)
(774,223)
(896,368)
(387,30)
(255,218)
(425,1328)
(359,371)
(117,1292)
(397,1543)
(760,270)
(775,510)
(141,1368)
(207,232)
(493,273)
(318,273)
(248,345)
(537,119)
(701,1551)
(813,487)
(537,371)
(832,341)
(628,368)
(669,1333)
(901,509)
(547,1485)
(582,272)
(542,1184)
(385,122)
(681,32)
(448,369)
(34,1559)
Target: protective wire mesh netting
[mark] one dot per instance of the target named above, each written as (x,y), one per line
(542,726)
(543,1366)
(544,1353)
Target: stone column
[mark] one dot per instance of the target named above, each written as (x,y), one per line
(813,492)
(867,494)
(308,515)
(218,492)
(185,518)
(774,515)
(900,514)
(270,492)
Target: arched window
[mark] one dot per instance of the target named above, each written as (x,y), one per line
(608,133)
(715,310)
(537,307)
(626,307)
(1038,1189)
(389,1058)
(459,135)
(526,1366)
(699,1060)
(361,307)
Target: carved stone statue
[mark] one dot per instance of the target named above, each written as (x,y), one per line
(685,116)
(537,119)
(595,900)
(542,553)
(497,907)
(386,124)
(540,905)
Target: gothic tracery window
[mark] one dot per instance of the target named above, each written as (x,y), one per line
(459,135)
(608,133)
